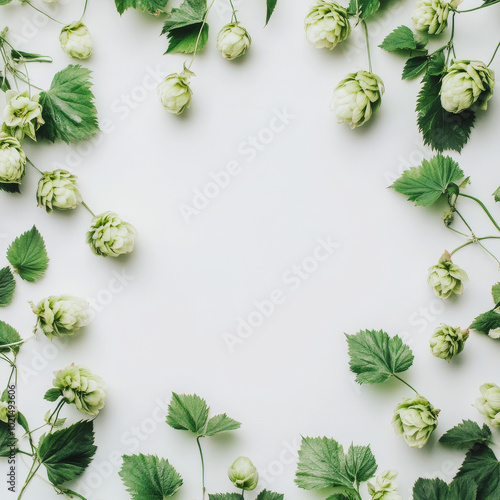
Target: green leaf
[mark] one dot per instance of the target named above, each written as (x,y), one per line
(188,413)
(375,356)
(68,107)
(363,8)
(482,467)
(20,57)
(486,322)
(7,286)
(221,423)
(226,496)
(10,188)
(68,452)
(52,395)
(151,6)
(4,83)
(402,38)
(183,26)
(441,129)
(21,419)
(9,335)
(466,435)
(5,2)
(414,67)
(269,495)
(322,464)
(28,255)
(425,184)
(360,463)
(496,194)
(495,292)
(437,64)
(148,477)
(7,440)
(345,495)
(271,5)
(437,489)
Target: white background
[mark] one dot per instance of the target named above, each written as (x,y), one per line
(191,281)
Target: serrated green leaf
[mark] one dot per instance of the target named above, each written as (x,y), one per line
(440,129)
(148,477)
(221,423)
(28,255)
(495,292)
(321,465)
(184,40)
(226,496)
(9,335)
(345,495)
(363,8)
(466,435)
(414,67)
(437,489)
(10,188)
(269,495)
(486,322)
(151,6)
(68,452)
(402,38)
(271,5)
(6,440)
(68,107)
(52,395)
(188,412)
(437,64)
(375,356)
(360,463)
(424,185)
(7,286)
(482,467)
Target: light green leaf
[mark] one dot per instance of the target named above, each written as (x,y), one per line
(427,183)
(68,107)
(402,38)
(28,255)
(68,452)
(9,335)
(495,292)
(269,495)
(188,412)
(221,423)
(52,395)
(271,5)
(321,465)
(466,435)
(7,286)
(151,6)
(363,8)
(148,477)
(360,463)
(375,356)
(437,489)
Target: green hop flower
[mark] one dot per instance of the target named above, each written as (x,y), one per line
(174,92)
(447,342)
(489,403)
(60,315)
(357,97)
(385,487)
(109,236)
(415,420)
(58,190)
(79,386)
(431,16)
(327,24)
(243,474)
(75,40)
(233,41)
(22,115)
(446,278)
(467,83)
(12,160)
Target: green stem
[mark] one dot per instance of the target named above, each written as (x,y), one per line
(199,34)
(450,45)
(88,209)
(15,343)
(31,475)
(365,28)
(477,8)
(84,9)
(42,12)
(5,358)
(458,232)
(68,493)
(475,240)
(234,19)
(33,165)
(202,468)
(494,54)
(483,206)
(25,453)
(407,384)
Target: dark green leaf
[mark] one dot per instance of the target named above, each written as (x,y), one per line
(269,495)
(436,489)
(28,255)
(188,412)
(414,67)
(68,452)
(10,188)
(226,496)
(466,435)
(21,419)
(271,5)
(20,56)
(68,107)
(345,495)
(360,464)
(52,395)
(4,83)
(425,184)
(7,286)
(7,441)
(437,64)
(9,335)
(183,40)
(375,356)
(151,6)
(221,423)
(486,322)
(148,477)
(402,38)
(363,8)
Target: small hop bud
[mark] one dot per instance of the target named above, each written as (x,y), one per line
(58,190)
(489,403)
(233,41)
(447,342)
(357,97)
(243,474)
(174,92)
(467,83)
(431,16)
(496,194)
(448,218)
(7,411)
(385,487)
(327,24)
(75,40)
(60,315)
(50,419)
(109,236)
(79,386)
(22,115)
(12,160)
(415,419)
(446,277)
